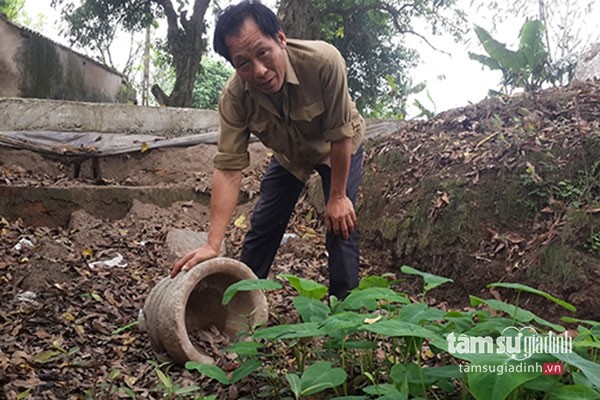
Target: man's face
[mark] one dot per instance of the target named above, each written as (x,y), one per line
(258,59)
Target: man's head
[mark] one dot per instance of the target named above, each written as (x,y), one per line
(249,36)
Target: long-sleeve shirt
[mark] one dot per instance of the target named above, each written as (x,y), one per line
(313,109)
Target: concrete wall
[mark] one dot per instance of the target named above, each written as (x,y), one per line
(588,65)
(17,114)
(33,66)
(9,71)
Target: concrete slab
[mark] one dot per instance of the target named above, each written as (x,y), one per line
(18,114)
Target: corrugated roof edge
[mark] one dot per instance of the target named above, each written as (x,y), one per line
(32,32)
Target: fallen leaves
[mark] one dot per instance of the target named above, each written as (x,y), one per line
(69,316)
(63,322)
(439,204)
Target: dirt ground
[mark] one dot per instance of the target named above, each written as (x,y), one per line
(505,190)
(66,290)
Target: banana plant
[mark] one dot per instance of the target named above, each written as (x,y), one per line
(528,67)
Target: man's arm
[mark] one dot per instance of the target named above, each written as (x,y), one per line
(225,190)
(340,216)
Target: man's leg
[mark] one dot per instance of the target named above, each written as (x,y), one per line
(279,192)
(343,254)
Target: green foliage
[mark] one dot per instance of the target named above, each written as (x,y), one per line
(216,373)
(544,186)
(92,24)
(423,110)
(593,242)
(529,289)
(246,285)
(566,24)
(315,379)
(528,67)
(575,392)
(12,8)
(376,343)
(369,34)
(209,82)
(379,88)
(306,287)
(518,314)
(311,310)
(166,387)
(590,369)
(494,386)
(431,281)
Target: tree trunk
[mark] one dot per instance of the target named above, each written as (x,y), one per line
(146,79)
(184,36)
(300,19)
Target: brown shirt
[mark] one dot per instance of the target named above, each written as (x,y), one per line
(316,109)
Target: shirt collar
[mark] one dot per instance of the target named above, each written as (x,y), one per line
(290,73)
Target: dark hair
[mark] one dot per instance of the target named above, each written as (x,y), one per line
(230,20)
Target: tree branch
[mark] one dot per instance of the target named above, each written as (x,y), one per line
(423,38)
(171,14)
(161,97)
(395,14)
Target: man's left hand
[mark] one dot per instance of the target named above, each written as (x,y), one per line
(340,216)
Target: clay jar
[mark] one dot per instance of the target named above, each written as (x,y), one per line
(177,308)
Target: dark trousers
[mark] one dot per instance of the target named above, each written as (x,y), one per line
(279,192)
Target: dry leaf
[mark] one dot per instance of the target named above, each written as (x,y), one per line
(370,321)
(240,222)
(68,316)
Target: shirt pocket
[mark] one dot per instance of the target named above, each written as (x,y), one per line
(268,133)
(259,128)
(308,119)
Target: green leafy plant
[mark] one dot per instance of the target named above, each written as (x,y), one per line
(524,288)
(306,287)
(377,343)
(593,242)
(167,388)
(246,285)
(316,378)
(431,281)
(12,8)
(572,192)
(528,67)
(218,374)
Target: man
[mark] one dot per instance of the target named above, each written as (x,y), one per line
(293,95)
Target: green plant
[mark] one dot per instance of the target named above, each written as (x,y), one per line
(424,111)
(528,67)
(431,281)
(524,288)
(377,343)
(316,378)
(12,8)
(581,189)
(166,387)
(110,388)
(593,242)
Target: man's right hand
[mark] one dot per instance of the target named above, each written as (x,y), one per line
(224,196)
(203,253)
